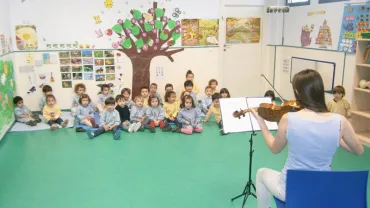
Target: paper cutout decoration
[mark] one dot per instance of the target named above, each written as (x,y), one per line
(243,30)
(99,33)
(316,13)
(176,13)
(208,32)
(108,4)
(324,37)
(143,39)
(97,19)
(190,28)
(26,37)
(305,35)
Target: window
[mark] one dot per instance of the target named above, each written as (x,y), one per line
(297,2)
(329,1)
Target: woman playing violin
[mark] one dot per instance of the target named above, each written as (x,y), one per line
(313,135)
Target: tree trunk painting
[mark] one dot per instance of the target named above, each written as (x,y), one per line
(144,37)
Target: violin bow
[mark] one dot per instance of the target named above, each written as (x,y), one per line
(282,100)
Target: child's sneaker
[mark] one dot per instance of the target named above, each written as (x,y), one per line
(31,123)
(53,127)
(80,129)
(151,129)
(90,134)
(177,130)
(131,127)
(222,132)
(117,134)
(137,126)
(65,123)
(167,129)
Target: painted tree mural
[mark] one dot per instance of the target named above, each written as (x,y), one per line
(145,36)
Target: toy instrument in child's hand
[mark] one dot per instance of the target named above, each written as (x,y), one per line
(271,112)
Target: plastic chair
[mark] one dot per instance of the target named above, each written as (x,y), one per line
(323,189)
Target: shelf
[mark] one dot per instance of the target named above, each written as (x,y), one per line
(362,90)
(363,65)
(360,39)
(364,138)
(362,113)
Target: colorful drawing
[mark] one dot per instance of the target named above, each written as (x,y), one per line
(88,61)
(109,54)
(208,32)
(76,68)
(355,21)
(243,30)
(65,69)
(88,68)
(65,61)
(87,54)
(97,19)
(99,62)
(98,54)
(66,84)
(26,37)
(305,35)
(176,13)
(190,28)
(66,76)
(100,77)
(64,54)
(110,77)
(76,54)
(109,69)
(99,70)
(324,37)
(108,4)
(109,61)
(77,76)
(88,76)
(46,58)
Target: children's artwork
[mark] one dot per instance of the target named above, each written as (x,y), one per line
(7,92)
(46,58)
(109,54)
(98,54)
(65,61)
(88,68)
(99,62)
(76,54)
(88,61)
(109,69)
(305,35)
(190,28)
(67,84)
(99,33)
(243,30)
(64,54)
(76,68)
(99,70)
(109,61)
(208,32)
(43,79)
(26,37)
(65,69)
(77,76)
(87,53)
(108,4)
(110,77)
(355,21)
(66,76)
(323,39)
(100,77)
(76,61)
(88,76)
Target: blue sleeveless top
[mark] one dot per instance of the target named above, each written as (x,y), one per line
(311,144)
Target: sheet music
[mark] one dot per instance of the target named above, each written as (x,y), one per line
(231,124)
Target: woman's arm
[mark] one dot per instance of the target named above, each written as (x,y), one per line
(349,138)
(278,143)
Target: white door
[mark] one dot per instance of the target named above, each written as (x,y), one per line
(241,63)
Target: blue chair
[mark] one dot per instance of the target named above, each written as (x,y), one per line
(324,189)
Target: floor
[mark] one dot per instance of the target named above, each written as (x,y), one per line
(65,169)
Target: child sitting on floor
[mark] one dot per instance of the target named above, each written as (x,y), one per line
(225,93)
(126,92)
(189,88)
(171,109)
(190,76)
(46,90)
(207,100)
(155,114)
(85,113)
(216,111)
(109,121)
(339,104)
(105,94)
(52,113)
(23,114)
(79,90)
(153,91)
(124,113)
(189,116)
(138,114)
(144,92)
(213,83)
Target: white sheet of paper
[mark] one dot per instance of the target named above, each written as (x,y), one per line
(231,124)
(26,69)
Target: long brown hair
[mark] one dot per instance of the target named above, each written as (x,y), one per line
(309,90)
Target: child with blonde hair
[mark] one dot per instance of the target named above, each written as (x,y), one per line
(52,113)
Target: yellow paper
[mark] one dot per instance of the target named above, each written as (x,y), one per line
(208,32)
(243,30)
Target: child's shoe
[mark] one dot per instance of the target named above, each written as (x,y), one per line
(53,127)
(166,129)
(117,134)
(80,129)
(65,123)
(31,123)
(151,129)
(198,130)
(187,130)
(131,128)
(90,134)
(137,126)
(176,130)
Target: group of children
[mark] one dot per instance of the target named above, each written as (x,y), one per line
(146,111)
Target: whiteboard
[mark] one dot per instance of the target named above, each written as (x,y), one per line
(325,69)
(244,124)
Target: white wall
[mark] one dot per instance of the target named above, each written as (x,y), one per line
(5,26)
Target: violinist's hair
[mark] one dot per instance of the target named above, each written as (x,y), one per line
(308,89)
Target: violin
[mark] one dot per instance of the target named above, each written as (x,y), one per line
(271,112)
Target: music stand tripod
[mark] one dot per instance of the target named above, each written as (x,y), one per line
(248,187)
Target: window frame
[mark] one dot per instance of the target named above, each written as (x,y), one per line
(308,2)
(330,1)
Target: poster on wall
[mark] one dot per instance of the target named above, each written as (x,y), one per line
(355,21)
(190,34)
(208,32)
(26,37)
(243,30)
(323,38)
